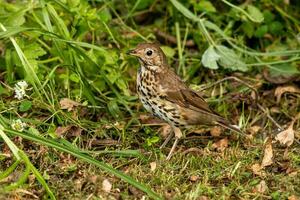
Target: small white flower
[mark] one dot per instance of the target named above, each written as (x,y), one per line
(20,89)
(18,125)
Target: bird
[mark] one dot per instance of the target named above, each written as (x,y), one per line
(164,94)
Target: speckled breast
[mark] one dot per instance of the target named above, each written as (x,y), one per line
(154,100)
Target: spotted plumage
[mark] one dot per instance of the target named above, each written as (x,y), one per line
(164,94)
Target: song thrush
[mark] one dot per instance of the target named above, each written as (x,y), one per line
(164,94)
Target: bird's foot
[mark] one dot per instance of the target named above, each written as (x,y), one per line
(171,134)
(178,135)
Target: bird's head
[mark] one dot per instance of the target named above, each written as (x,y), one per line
(150,56)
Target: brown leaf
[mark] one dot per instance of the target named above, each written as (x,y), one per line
(203,198)
(76,131)
(136,193)
(221,145)
(194,178)
(68,104)
(257,169)
(216,131)
(261,187)
(293,197)
(153,166)
(287,136)
(254,129)
(268,155)
(62,130)
(106,185)
(282,89)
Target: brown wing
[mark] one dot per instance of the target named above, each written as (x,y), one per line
(177,92)
(190,99)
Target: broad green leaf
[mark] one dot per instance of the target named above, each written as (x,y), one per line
(112,75)
(206,6)
(186,12)
(268,16)
(34,131)
(275,28)
(74,77)
(248,28)
(229,59)
(170,52)
(284,69)
(143,4)
(261,31)
(104,15)
(255,13)
(152,140)
(16,19)
(33,51)
(25,106)
(210,58)
(123,86)
(73,3)
(111,57)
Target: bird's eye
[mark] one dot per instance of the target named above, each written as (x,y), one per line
(149,52)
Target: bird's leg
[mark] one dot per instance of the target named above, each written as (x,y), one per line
(171,134)
(178,135)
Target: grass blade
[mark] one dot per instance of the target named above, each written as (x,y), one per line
(52,143)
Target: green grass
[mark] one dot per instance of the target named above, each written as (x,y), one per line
(76,50)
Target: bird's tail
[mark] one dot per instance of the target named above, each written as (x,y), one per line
(229,126)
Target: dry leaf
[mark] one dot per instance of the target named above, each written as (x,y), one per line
(216,131)
(282,89)
(68,104)
(76,131)
(268,155)
(62,130)
(275,109)
(286,137)
(203,198)
(136,193)
(152,166)
(257,169)
(261,187)
(194,178)
(106,186)
(254,129)
(221,145)
(293,197)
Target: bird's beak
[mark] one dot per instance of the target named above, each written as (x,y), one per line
(132,52)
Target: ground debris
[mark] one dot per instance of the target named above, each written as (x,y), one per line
(216,131)
(268,155)
(261,187)
(287,136)
(221,145)
(106,185)
(68,104)
(280,90)
(153,166)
